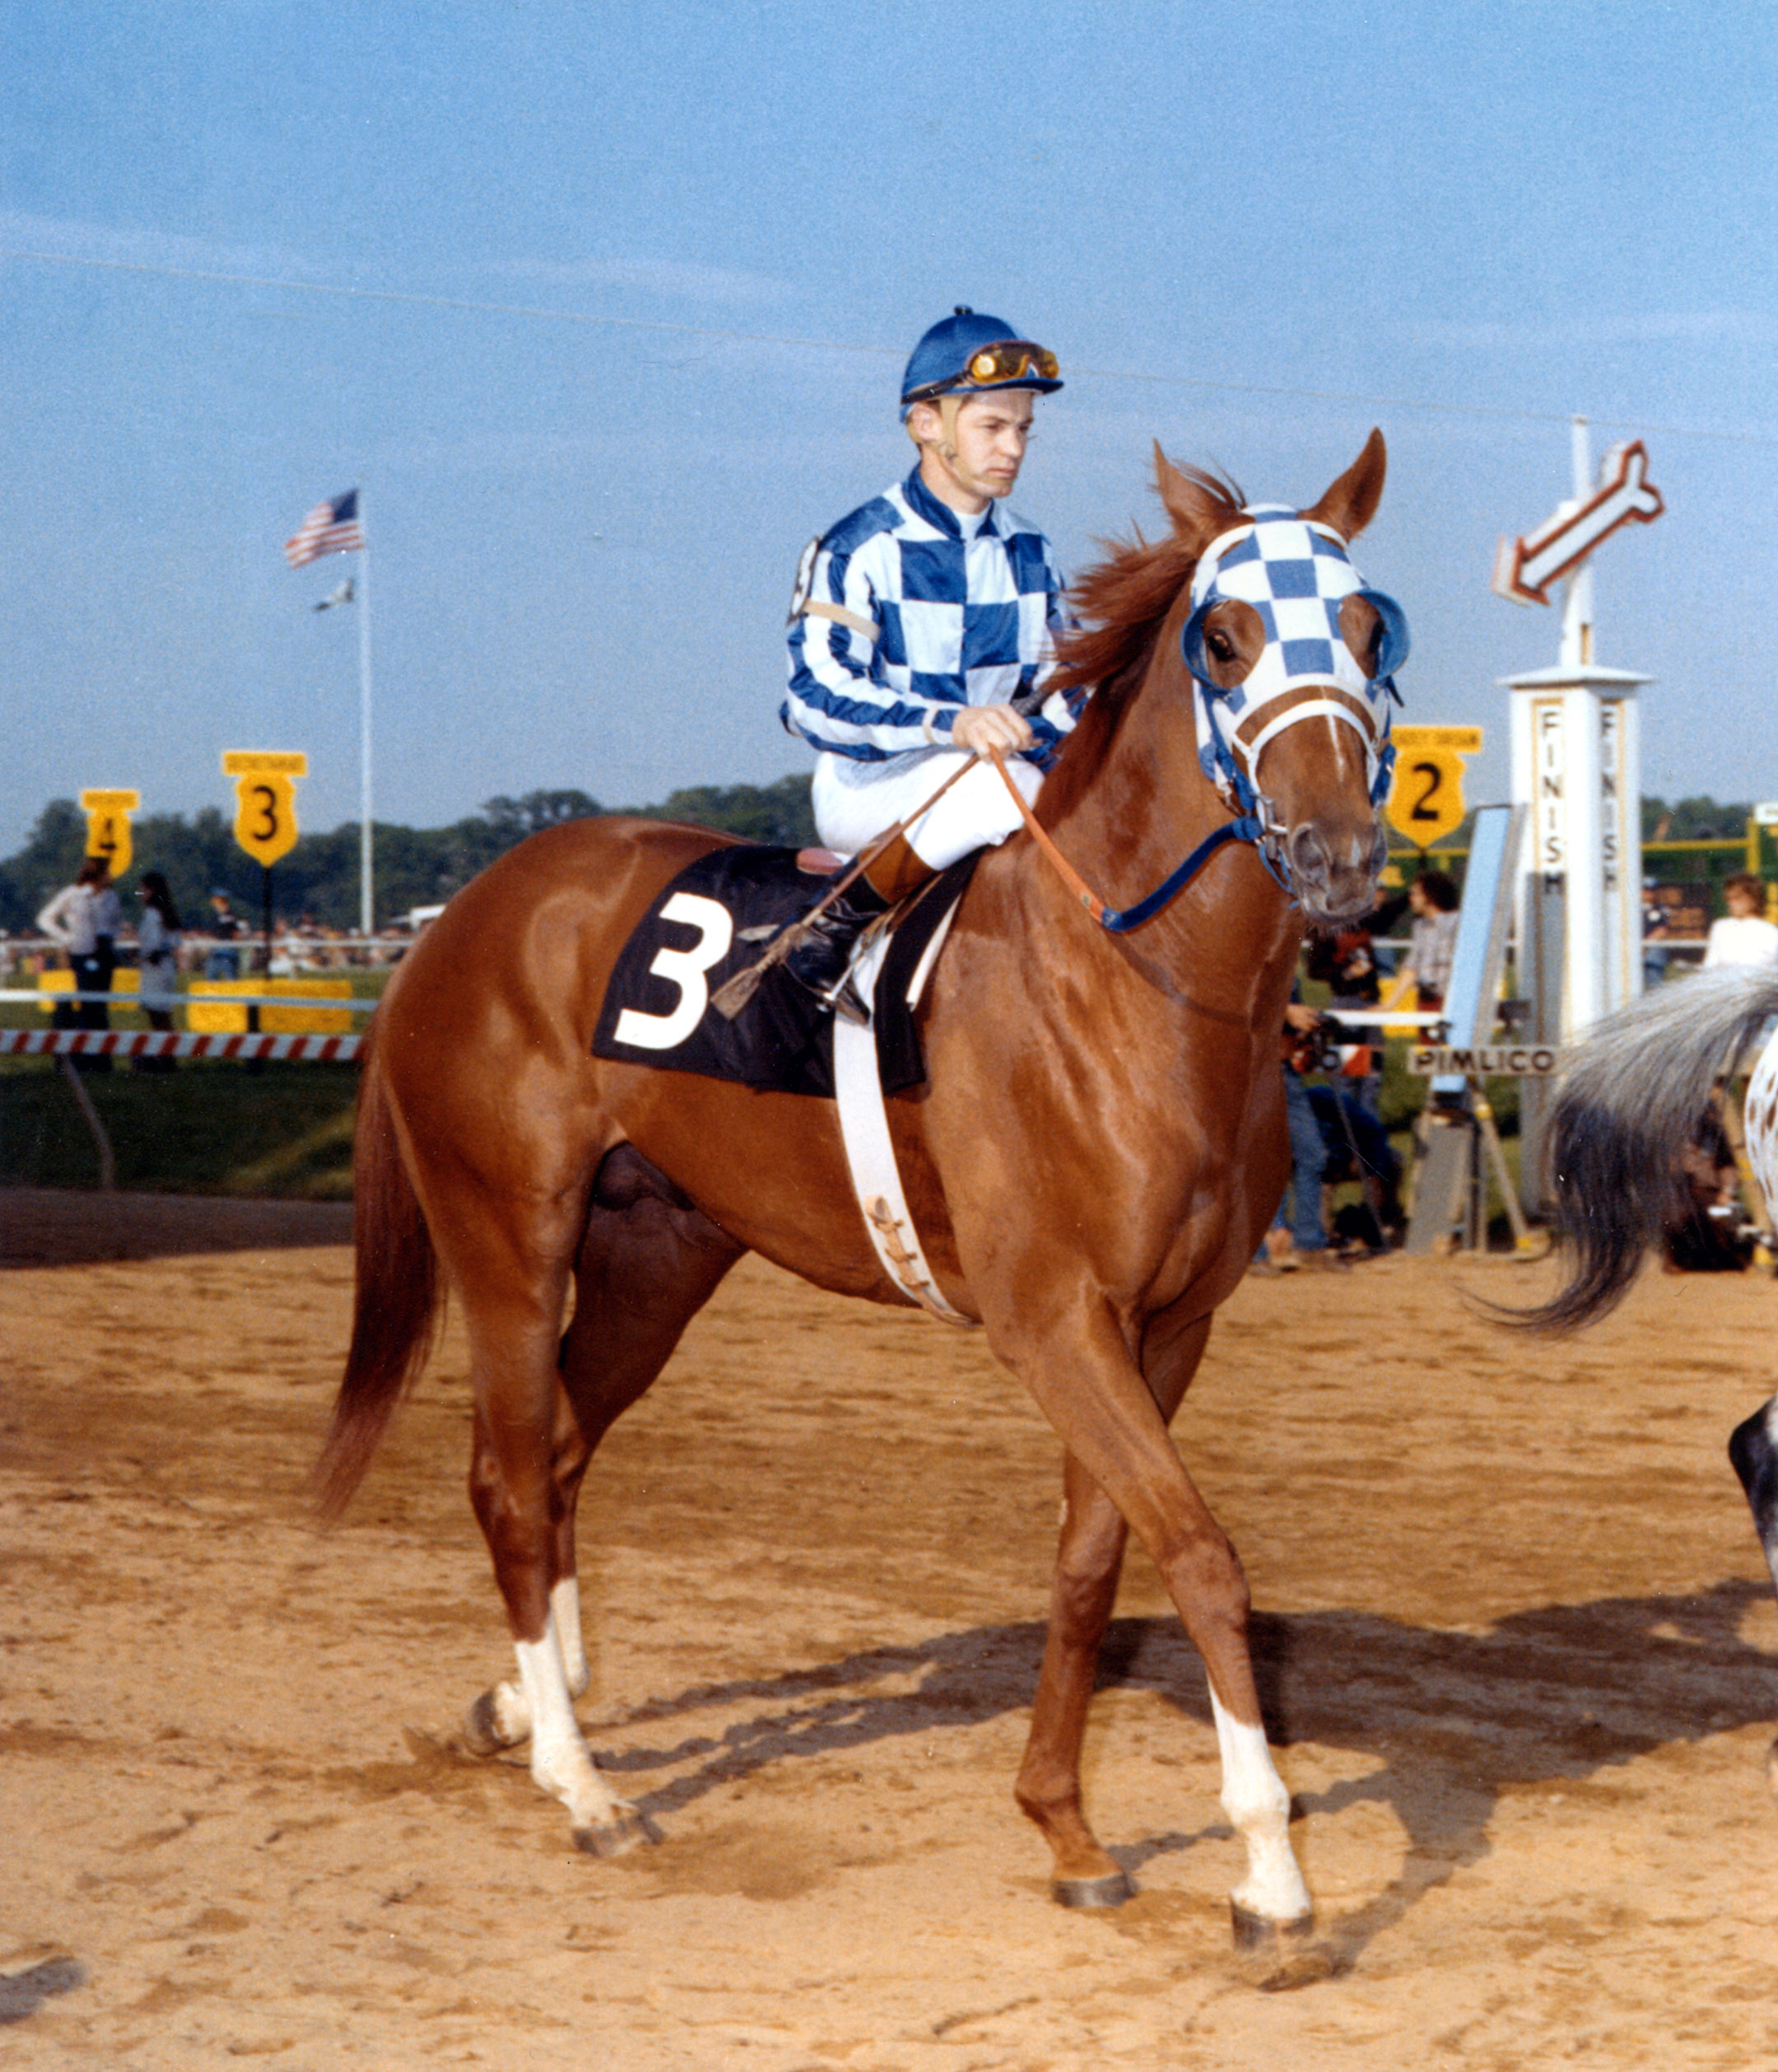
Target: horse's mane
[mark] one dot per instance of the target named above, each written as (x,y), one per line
(1122,602)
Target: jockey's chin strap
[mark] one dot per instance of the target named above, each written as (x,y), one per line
(1120,920)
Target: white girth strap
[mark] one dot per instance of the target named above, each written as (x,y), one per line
(870,1154)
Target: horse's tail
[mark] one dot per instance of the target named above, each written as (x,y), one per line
(395,1302)
(1629,1106)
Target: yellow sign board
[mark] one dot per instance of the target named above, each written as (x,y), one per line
(264,762)
(265,796)
(1425,800)
(49,984)
(1462,741)
(108,826)
(214,1007)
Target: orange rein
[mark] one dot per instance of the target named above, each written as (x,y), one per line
(1120,921)
(1070,877)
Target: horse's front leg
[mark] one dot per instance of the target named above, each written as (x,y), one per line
(1089,1557)
(1084,1378)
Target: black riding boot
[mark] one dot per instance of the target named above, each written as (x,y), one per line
(818,963)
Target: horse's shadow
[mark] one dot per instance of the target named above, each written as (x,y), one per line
(1556,1694)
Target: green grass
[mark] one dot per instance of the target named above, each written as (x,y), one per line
(284,1131)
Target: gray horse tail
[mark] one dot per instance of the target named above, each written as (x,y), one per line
(1630,1103)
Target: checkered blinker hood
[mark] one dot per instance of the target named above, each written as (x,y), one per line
(1295,573)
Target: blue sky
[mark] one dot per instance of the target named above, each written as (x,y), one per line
(603,308)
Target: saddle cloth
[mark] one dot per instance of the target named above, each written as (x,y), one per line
(715,919)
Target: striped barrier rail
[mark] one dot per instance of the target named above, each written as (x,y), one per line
(142,1043)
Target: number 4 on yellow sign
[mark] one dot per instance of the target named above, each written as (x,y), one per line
(108,826)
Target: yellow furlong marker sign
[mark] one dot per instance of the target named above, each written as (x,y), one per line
(265,795)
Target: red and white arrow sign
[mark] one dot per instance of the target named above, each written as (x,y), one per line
(1523,569)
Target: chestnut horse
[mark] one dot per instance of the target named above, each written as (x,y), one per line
(1093,1162)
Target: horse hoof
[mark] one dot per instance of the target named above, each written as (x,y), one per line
(616,1836)
(1257,1932)
(482,1728)
(1090,1892)
(1279,1956)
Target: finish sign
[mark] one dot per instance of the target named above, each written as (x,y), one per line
(108,828)
(265,795)
(1425,800)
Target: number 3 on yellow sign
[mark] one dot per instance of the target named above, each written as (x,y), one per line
(265,800)
(265,816)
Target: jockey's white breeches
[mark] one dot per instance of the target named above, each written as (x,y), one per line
(855,801)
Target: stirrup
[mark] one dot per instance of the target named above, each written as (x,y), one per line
(844,998)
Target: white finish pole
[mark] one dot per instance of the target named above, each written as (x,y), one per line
(1585,938)
(1623,896)
(1577,605)
(366,899)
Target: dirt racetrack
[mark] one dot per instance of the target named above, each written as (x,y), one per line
(1520,1654)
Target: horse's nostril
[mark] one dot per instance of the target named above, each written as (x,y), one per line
(1309,856)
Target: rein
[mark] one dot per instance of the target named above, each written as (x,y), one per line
(1120,920)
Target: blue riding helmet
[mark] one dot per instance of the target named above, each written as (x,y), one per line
(964,354)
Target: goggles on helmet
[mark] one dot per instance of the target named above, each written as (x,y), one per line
(994,367)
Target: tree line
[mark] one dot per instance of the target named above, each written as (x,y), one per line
(423,866)
(413,866)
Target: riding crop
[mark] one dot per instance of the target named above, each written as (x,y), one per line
(730,998)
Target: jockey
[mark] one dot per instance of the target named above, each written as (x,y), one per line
(921,629)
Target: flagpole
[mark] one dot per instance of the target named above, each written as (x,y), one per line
(366,901)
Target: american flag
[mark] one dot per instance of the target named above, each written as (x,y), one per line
(329,528)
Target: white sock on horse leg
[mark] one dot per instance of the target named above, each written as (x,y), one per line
(564,1616)
(1257,1806)
(560,1763)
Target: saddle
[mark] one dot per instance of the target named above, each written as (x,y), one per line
(713,921)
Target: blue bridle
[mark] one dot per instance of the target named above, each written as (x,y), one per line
(1294,574)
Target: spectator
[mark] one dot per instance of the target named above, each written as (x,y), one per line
(1430,941)
(1711,1235)
(82,918)
(1298,1237)
(1346,964)
(1654,935)
(159,938)
(1743,936)
(224,960)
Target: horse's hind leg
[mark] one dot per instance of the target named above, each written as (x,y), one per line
(647,1263)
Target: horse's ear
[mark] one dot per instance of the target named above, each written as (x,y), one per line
(1198,505)
(1351,503)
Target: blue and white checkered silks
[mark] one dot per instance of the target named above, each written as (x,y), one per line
(1296,573)
(902,616)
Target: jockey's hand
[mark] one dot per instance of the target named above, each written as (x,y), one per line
(980,728)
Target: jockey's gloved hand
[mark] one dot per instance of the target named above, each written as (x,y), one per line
(980,728)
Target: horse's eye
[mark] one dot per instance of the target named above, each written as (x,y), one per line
(1220,646)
